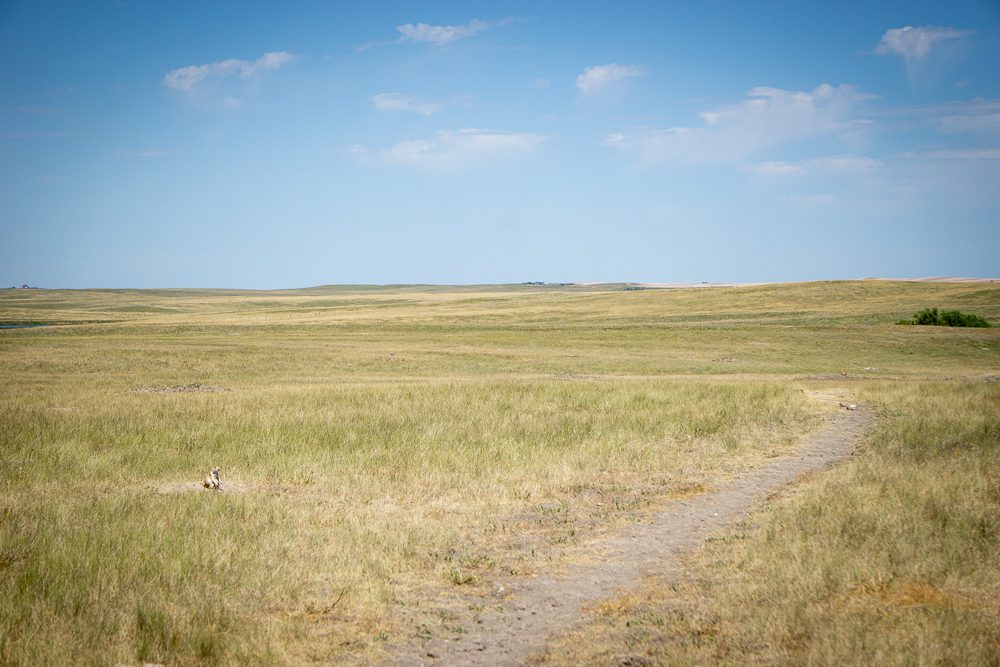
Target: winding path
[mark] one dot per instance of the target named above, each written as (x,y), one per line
(512,630)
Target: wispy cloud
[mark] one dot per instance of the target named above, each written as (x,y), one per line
(977,116)
(953,155)
(451,149)
(915,43)
(829,163)
(597,78)
(844,163)
(983,124)
(440,35)
(769,117)
(187,78)
(402,102)
(774,168)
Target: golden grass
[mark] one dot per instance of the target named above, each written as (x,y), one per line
(344,489)
(890,558)
(379,443)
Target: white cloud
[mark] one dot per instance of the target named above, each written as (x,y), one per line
(440,34)
(401,102)
(454,148)
(914,43)
(445,34)
(187,78)
(777,168)
(855,163)
(769,117)
(830,163)
(595,79)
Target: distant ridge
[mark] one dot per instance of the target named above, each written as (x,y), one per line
(939,279)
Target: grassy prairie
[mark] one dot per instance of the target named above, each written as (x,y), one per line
(889,559)
(382,445)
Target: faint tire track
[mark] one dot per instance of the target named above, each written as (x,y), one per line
(512,630)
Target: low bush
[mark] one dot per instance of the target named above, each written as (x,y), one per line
(946,318)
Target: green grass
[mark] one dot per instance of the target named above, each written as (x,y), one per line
(380,442)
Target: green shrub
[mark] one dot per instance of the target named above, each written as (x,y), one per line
(927,316)
(954,318)
(947,318)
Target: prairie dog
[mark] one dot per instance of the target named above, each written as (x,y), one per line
(213,481)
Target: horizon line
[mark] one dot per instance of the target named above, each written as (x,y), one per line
(536,283)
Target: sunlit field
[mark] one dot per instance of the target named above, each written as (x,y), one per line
(382,448)
(889,559)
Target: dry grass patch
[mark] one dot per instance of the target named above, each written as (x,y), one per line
(903,593)
(891,558)
(179,389)
(359,498)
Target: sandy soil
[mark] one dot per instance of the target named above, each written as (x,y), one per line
(513,625)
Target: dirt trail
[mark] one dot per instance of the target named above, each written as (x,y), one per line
(512,630)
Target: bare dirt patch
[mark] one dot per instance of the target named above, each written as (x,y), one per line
(836,377)
(511,625)
(228,486)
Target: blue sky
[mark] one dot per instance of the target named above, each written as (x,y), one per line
(154,144)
